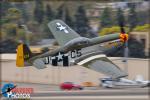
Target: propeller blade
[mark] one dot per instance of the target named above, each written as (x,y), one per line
(122,30)
(124,38)
(125,52)
(123,35)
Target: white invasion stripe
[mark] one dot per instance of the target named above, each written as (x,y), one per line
(143,97)
(90,58)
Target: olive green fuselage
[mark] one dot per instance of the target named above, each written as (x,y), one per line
(79,44)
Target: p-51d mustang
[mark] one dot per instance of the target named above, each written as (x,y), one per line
(75,49)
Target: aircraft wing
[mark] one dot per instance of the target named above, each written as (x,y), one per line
(100,63)
(62,32)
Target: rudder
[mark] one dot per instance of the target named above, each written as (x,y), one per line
(23,55)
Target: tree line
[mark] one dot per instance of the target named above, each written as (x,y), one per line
(12,16)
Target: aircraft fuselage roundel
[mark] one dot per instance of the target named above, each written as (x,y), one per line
(63,59)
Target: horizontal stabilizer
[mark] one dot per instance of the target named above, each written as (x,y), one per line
(39,64)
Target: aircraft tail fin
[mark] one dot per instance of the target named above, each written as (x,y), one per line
(139,78)
(23,55)
(62,32)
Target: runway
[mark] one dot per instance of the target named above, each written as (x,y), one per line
(42,82)
(101,94)
(52,92)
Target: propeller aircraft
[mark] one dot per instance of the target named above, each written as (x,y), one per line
(75,50)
